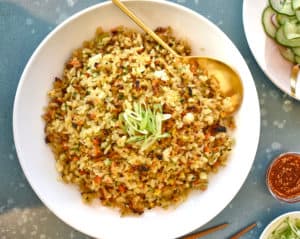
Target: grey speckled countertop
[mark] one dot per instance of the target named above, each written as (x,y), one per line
(24,23)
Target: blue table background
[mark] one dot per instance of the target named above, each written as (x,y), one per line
(23,25)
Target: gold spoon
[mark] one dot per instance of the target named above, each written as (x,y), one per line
(294,78)
(229,81)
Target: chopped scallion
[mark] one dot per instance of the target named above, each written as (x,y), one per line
(144,124)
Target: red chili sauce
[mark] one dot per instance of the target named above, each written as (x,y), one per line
(283,177)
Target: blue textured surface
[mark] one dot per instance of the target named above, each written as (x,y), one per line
(24,23)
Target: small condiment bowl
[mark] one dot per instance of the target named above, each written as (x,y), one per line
(275,222)
(278,177)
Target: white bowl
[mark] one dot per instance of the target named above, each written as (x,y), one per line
(273,224)
(37,160)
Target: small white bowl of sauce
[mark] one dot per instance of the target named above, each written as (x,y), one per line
(283,177)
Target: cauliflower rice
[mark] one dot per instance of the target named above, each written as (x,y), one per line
(92,147)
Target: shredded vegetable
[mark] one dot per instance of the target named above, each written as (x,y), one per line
(144,124)
(289,228)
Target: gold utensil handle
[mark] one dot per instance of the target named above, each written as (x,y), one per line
(242,232)
(294,78)
(205,232)
(120,5)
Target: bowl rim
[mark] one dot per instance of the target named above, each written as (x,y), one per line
(267,229)
(58,28)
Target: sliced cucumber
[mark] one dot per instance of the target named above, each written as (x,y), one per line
(281,21)
(287,53)
(281,18)
(296,50)
(269,27)
(291,29)
(297,14)
(296,4)
(281,39)
(282,6)
(297,59)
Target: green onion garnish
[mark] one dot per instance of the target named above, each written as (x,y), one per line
(288,229)
(144,125)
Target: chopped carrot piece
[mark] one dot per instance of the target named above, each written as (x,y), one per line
(207,135)
(95,151)
(75,158)
(97,179)
(74,62)
(193,68)
(92,116)
(96,141)
(82,172)
(80,122)
(206,149)
(65,146)
(122,188)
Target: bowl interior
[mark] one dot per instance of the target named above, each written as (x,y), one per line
(37,160)
(273,224)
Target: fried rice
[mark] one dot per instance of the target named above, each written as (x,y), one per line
(92,144)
